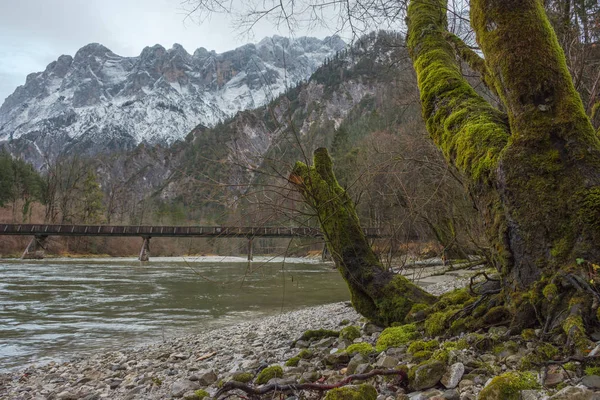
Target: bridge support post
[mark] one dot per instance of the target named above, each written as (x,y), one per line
(250,254)
(36,249)
(145,251)
(325,253)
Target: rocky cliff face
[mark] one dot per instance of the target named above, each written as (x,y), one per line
(354,94)
(100,102)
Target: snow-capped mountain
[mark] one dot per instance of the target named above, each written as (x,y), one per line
(98,101)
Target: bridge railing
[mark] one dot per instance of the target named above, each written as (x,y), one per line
(166,231)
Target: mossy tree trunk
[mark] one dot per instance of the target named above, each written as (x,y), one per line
(377,293)
(534,168)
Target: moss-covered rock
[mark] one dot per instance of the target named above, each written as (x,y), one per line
(455,345)
(305,354)
(292,362)
(495,315)
(350,333)
(243,377)
(396,336)
(417,312)
(592,370)
(421,356)
(442,355)
(541,353)
(435,324)
(362,348)
(274,371)
(505,349)
(508,386)
(201,394)
(419,345)
(362,392)
(528,334)
(426,375)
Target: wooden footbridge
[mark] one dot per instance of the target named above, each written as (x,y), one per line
(40,233)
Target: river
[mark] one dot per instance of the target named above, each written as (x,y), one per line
(58,309)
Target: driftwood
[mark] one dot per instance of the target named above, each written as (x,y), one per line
(275,387)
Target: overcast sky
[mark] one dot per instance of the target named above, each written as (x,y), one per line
(34,33)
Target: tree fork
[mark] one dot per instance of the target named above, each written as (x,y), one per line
(377,293)
(535,171)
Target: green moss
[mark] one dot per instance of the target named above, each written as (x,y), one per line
(396,336)
(419,345)
(574,328)
(319,334)
(422,355)
(570,366)
(550,291)
(305,354)
(292,362)
(345,322)
(542,353)
(456,345)
(463,325)
(418,307)
(274,371)
(505,348)
(363,348)
(528,334)
(455,297)
(417,312)
(362,392)
(243,377)
(435,324)
(419,377)
(592,370)
(201,393)
(508,386)
(480,310)
(442,355)
(467,129)
(447,306)
(590,207)
(396,299)
(498,314)
(350,333)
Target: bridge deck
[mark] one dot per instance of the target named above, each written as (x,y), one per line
(165,231)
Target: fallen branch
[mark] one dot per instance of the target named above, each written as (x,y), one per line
(257,391)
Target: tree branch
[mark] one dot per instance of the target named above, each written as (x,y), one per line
(275,387)
(470,132)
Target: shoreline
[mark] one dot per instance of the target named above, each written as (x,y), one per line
(133,373)
(267,338)
(483,365)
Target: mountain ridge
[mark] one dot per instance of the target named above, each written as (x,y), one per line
(98,101)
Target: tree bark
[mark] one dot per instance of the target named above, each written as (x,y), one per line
(535,169)
(377,293)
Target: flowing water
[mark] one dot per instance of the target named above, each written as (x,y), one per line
(63,308)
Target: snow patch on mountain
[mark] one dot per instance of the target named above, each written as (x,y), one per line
(98,101)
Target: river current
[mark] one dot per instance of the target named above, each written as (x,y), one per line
(58,309)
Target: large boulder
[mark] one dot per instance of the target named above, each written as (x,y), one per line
(428,375)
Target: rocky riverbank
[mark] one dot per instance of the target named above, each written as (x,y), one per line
(278,349)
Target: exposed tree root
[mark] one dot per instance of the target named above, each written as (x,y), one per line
(275,387)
